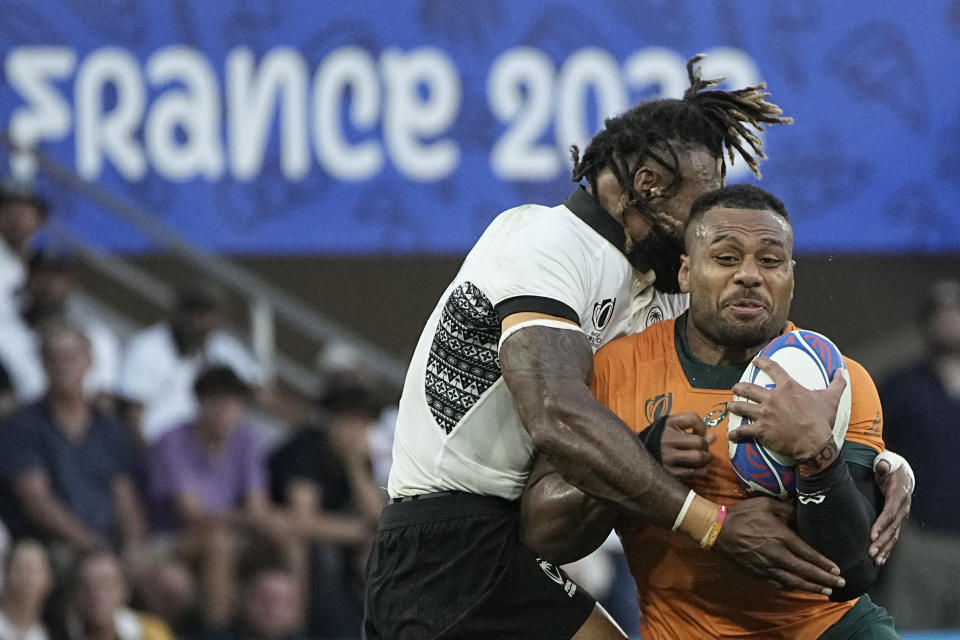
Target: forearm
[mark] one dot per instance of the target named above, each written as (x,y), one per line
(329,527)
(558,521)
(370,498)
(52,517)
(130,514)
(548,370)
(835,517)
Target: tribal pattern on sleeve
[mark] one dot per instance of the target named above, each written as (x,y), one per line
(463,361)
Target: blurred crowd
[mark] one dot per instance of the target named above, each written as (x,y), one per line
(142,496)
(146,489)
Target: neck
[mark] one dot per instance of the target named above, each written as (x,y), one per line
(707,351)
(21,612)
(71,411)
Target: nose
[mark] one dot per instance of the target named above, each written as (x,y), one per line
(748,274)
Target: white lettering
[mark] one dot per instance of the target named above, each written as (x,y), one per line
(587,69)
(409,117)
(353,68)
(520,92)
(109,134)
(46,116)
(196,110)
(250,106)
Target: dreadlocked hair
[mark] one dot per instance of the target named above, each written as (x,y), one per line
(663,129)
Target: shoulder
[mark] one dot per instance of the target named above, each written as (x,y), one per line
(29,418)
(634,345)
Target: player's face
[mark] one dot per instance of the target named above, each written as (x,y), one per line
(739,273)
(660,245)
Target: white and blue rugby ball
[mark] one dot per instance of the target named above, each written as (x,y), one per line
(811,359)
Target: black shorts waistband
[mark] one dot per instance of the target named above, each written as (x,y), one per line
(444,505)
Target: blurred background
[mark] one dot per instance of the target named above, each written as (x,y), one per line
(271,196)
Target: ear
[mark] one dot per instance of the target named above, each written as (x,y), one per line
(648,182)
(683,277)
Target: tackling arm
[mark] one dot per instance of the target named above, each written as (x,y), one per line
(547,370)
(558,521)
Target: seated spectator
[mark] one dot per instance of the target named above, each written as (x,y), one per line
(98,608)
(269,606)
(21,214)
(51,295)
(162,362)
(66,468)
(207,480)
(324,477)
(26,585)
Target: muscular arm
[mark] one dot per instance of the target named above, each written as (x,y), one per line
(836,507)
(558,521)
(547,370)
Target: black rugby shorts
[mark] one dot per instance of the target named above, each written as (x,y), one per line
(452,568)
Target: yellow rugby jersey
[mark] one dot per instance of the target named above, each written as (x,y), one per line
(684,591)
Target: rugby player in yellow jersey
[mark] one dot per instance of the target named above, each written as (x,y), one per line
(739,272)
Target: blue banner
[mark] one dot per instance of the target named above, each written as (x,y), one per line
(313,127)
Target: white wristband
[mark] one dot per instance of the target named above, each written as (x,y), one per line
(683,510)
(895,460)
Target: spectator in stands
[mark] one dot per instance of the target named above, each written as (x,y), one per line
(269,606)
(324,477)
(49,297)
(21,214)
(162,362)
(209,482)
(98,608)
(921,405)
(66,468)
(26,585)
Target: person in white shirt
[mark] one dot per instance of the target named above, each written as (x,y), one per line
(161,363)
(49,297)
(21,215)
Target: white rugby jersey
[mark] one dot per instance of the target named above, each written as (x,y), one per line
(457,428)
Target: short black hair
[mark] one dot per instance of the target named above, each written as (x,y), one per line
(348,394)
(737,196)
(221,381)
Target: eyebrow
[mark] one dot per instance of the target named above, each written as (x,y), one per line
(736,240)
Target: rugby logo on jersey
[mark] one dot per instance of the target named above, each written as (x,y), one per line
(603,313)
(657,407)
(716,415)
(655,315)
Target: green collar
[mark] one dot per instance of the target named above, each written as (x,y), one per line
(699,374)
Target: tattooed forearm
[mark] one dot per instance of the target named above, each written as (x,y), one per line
(548,371)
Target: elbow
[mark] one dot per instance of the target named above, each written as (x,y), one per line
(859,578)
(548,423)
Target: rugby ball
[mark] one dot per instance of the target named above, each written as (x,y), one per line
(811,359)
